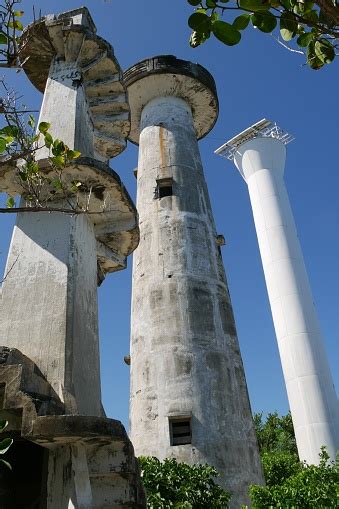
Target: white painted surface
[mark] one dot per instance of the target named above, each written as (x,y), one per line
(311,393)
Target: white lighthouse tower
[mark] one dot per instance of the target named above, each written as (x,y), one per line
(259,154)
(188,391)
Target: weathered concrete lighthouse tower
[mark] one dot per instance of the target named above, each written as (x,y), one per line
(259,153)
(49,358)
(188,391)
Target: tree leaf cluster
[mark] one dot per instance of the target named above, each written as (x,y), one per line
(275,434)
(10,30)
(300,486)
(170,484)
(312,29)
(289,482)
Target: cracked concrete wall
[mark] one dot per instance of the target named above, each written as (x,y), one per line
(185,358)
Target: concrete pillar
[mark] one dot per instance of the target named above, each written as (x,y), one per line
(49,305)
(188,391)
(311,393)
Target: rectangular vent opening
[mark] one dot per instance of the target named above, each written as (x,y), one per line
(164,187)
(180,431)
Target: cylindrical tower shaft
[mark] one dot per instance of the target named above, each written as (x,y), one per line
(312,397)
(188,391)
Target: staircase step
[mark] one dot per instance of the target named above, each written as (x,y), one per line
(101,87)
(115,103)
(89,52)
(109,145)
(116,124)
(102,68)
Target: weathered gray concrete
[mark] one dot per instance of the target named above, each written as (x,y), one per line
(48,306)
(185,358)
(49,297)
(88,462)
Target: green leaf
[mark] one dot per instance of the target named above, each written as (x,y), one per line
(3,39)
(32,167)
(31,121)
(242,21)
(210,3)
(304,39)
(23,175)
(194,2)
(324,51)
(58,147)
(48,140)
(254,5)
(10,130)
(75,186)
(57,184)
(313,61)
(288,26)
(6,443)
(18,25)
(265,22)
(43,127)
(226,33)
(8,465)
(58,161)
(198,38)
(73,154)
(2,145)
(18,14)
(311,16)
(15,24)
(199,22)
(3,425)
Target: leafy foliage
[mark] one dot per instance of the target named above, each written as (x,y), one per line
(10,29)
(290,483)
(5,444)
(308,487)
(312,26)
(181,486)
(276,434)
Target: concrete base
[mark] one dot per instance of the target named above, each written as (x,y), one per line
(85,462)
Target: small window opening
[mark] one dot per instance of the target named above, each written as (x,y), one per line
(180,431)
(164,187)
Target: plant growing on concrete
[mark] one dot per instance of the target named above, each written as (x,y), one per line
(19,144)
(310,28)
(181,486)
(5,444)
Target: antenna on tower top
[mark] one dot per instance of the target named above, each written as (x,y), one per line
(262,129)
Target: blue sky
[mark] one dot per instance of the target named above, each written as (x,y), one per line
(256,79)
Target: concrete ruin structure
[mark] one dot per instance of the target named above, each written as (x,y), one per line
(71,455)
(259,154)
(188,397)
